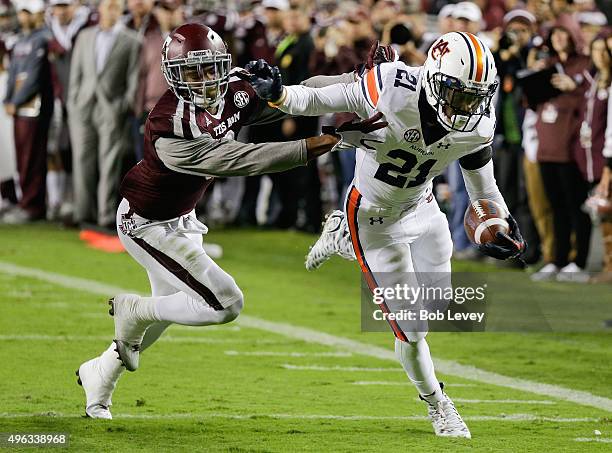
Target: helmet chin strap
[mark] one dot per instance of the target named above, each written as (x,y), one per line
(452,122)
(202,102)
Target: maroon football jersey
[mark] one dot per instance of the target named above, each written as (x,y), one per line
(156,192)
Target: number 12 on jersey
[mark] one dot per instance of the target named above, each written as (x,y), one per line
(399,179)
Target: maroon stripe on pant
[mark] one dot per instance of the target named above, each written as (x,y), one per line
(181,273)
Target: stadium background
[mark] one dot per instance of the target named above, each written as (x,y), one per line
(275,381)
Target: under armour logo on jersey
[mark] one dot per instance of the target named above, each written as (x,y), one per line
(374,220)
(444,145)
(208,121)
(241,99)
(412,135)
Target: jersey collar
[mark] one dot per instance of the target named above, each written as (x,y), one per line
(433,131)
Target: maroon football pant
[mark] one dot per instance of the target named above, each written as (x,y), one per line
(31,149)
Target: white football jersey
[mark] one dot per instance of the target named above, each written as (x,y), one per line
(396,169)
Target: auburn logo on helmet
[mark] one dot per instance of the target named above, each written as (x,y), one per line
(440,49)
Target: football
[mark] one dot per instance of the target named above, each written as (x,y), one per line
(483,219)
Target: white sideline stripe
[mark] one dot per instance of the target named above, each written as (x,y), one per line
(165,338)
(289,354)
(447,367)
(351,369)
(446,384)
(593,439)
(473,418)
(471,401)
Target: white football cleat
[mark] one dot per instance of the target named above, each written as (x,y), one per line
(98,392)
(129,330)
(335,239)
(445,419)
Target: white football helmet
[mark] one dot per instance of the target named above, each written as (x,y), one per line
(460,79)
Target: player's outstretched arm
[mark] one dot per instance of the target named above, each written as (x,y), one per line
(206,156)
(301,100)
(378,54)
(477,170)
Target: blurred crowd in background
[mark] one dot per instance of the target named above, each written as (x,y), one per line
(80,78)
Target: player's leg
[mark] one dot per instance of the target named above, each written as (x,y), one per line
(205,294)
(431,254)
(383,250)
(99,376)
(383,247)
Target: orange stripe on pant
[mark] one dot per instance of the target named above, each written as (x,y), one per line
(352,206)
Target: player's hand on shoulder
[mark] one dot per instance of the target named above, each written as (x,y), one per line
(352,133)
(265,79)
(508,245)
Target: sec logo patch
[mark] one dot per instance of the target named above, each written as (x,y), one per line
(241,99)
(412,135)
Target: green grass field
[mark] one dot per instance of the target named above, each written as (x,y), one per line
(293,374)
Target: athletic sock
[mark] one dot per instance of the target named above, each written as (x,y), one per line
(179,308)
(416,360)
(110,365)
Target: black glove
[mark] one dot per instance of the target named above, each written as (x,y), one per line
(351,134)
(512,245)
(378,54)
(265,79)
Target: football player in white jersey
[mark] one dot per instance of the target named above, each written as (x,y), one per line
(437,113)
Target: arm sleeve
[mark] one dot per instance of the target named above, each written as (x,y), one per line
(264,114)
(31,85)
(480,183)
(340,97)
(206,156)
(321,81)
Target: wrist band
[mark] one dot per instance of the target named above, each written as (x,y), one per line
(279,101)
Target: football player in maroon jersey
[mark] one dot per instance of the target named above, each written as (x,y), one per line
(189,140)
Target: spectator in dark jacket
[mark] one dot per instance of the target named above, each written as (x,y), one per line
(299,187)
(511,57)
(29,99)
(565,187)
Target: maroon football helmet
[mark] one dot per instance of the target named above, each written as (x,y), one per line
(196,65)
